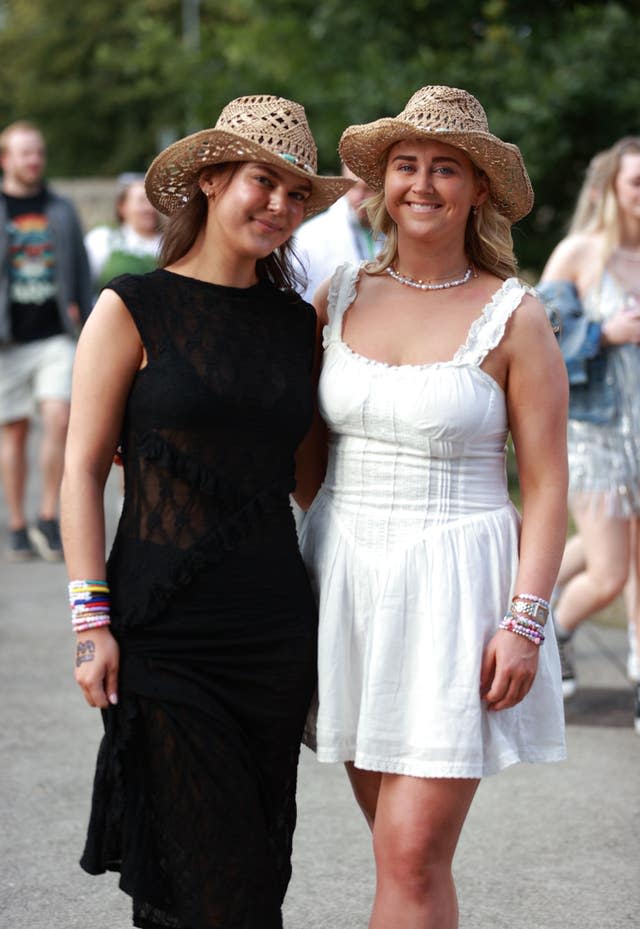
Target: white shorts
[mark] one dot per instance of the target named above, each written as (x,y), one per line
(34,371)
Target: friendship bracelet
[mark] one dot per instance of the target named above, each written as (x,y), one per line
(534,598)
(525,621)
(90,604)
(87,627)
(524,627)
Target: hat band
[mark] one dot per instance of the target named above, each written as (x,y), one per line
(294,160)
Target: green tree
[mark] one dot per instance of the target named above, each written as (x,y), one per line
(111,81)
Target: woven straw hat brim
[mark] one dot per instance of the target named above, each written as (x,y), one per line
(171,178)
(363,148)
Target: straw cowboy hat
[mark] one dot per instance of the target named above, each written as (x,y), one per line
(263,128)
(449,115)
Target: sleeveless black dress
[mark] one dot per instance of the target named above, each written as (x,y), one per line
(194,794)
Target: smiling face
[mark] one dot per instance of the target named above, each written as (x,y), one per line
(430,188)
(256,207)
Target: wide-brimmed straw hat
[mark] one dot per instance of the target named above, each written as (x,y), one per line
(449,115)
(260,128)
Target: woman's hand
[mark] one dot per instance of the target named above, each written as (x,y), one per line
(97,663)
(623,327)
(509,666)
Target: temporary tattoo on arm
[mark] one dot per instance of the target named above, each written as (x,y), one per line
(85,651)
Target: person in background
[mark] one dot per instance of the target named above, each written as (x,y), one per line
(436,665)
(342,233)
(133,245)
(593,279)
(573,560)
(198,636)
(45,294)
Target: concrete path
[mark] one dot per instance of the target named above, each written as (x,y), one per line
(544,847)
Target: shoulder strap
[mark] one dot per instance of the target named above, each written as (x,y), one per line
(342,293)
(487,331)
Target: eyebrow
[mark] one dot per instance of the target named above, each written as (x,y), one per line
(439,158)
(268,169)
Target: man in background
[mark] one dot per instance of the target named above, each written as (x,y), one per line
(45,294)
(342,233)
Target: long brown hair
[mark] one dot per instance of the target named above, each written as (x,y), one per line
(183,226)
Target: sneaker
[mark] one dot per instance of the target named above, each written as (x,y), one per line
(19,547)
(45,538)
(569,684)
(636,718)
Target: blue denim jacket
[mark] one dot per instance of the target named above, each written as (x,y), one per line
(592,390)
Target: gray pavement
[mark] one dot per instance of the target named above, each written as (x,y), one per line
(545,847)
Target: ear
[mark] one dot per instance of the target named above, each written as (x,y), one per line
(207,182)
(482,189)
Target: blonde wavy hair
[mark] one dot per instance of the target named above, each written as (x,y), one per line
(602,215)
(488,241)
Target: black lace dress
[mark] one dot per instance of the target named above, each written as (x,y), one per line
(194,795)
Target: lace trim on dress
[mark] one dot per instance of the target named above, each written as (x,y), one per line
(342,293)
(486,332)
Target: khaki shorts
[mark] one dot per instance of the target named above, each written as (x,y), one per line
(34,371)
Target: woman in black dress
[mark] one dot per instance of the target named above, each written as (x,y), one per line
(200,645)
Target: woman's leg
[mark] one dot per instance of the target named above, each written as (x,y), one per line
(366,786)
(606,546)
(573,560)
(632,604)
(632,598)
(415,834)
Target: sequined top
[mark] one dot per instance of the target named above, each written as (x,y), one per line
(604,459)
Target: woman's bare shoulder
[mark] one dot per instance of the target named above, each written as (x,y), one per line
(573,257)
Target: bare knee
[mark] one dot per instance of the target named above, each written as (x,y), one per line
(55,418)
(609,581)
(417,865)
(14,437)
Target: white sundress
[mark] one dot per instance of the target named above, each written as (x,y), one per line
(412,548)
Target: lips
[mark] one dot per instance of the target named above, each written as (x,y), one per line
(267,226)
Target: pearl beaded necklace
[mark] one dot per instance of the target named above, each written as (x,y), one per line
(427,285)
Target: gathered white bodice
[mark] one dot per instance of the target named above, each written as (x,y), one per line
(413,446)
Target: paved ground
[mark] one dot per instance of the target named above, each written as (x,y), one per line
(545,847)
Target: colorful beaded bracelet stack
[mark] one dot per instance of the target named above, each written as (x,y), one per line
(90,604)
(528,628)
(527,616)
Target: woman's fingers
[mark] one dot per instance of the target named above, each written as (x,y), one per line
(515,669)
(96,672)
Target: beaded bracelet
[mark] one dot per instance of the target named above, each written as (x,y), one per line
(523,626)
(534,599)
(90,605)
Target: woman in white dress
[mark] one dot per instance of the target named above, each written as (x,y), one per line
(432,354)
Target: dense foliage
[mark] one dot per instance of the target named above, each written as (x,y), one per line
(111,81)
